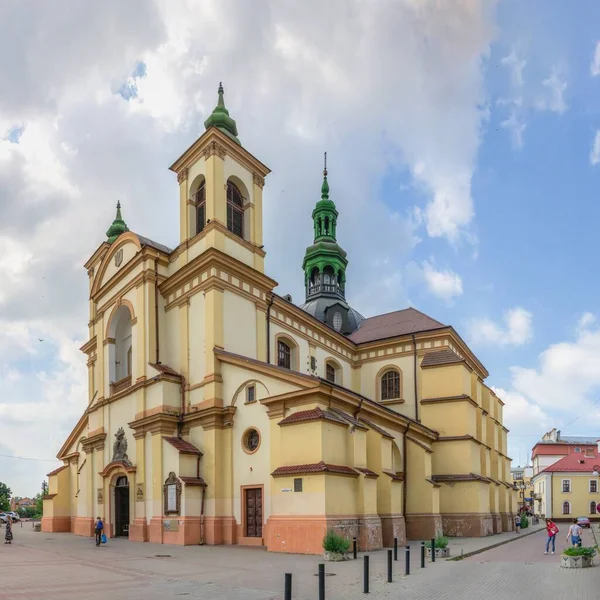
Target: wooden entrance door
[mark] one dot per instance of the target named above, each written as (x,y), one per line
(254,512)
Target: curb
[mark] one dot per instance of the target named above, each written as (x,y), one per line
(480,550)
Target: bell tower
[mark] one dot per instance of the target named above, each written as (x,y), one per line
(220,193)
(324,268)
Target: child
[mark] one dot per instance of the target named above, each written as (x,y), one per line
(552,530)
(574,533)
(518,523)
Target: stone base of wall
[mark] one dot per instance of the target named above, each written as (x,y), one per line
(393,526)
(508,521)
(56,524)
(370,535)
(497,522)
(468,524)
(83,526)
(220,530)
(182,531)
(304,535)
(423,526)
(138,530)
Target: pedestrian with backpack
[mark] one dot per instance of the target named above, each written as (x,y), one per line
(552,530)
(98,528)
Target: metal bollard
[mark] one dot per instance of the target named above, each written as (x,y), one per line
(433,550)
(321,582)
(354,547)
(407,569)
(366,574)
(395,548)
(422,555)
(287,594)
(389,566)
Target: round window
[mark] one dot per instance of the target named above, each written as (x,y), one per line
(337,321)
(251,440)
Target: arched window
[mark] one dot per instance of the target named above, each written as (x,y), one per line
(120,349)
(200,204)
(592,508)
(330,372)
(284,355)
(326,226)
(390,385)
(566,509)
(329,281)
(235,210)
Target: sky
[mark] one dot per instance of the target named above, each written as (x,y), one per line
(463,141)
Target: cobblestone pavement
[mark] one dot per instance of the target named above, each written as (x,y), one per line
(53,566)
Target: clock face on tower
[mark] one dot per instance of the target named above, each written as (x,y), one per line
(337,321)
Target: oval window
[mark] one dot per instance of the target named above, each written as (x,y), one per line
(337,321)
(251,440)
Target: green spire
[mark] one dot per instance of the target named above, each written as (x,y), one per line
(325,262)
(118,226)
(220,118)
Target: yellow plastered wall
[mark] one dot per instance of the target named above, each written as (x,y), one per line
(344,371)
(239,324)
(579,497)
(309,502)
(455,458)
(422,496)
(301,443)
(341,495)
(197,342)
(450,418)
(464,497)
(446,381)
(60,505)
(301,350)
(357,448)
(334,443)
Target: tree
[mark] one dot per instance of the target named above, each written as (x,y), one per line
(39,505)
(5,493)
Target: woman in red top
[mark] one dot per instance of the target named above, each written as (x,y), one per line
(552,530)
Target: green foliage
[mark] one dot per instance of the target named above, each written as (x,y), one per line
(332,542)
(440,542)
(5,494)
(39,505)
(28,512)
(575,551)
(524,521)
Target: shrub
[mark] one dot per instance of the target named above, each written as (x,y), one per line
(332,542)
(580,551)
(524,521)
(440,542)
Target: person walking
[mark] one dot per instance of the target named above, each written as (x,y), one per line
(518,523)
(552,530)
(575,532)
(99,526)
(8,536)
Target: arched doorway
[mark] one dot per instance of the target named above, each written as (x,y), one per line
(122,507)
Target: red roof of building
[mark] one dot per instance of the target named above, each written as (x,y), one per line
(313,414)
(183,446)
(576,462)
(320,467)
(557,448)
(400,322)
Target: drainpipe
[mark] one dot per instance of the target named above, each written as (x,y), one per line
(415,376)
(182,411)
(156,311)
(405,474)
(269,328)
(202,517)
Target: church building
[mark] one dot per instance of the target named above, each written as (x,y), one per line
(220,412)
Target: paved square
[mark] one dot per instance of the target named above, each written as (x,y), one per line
(67,567)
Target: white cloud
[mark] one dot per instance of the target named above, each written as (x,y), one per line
(586,320)
(516,126)
(595,152)
(83,147)
(516,65)
(516,330)
(554,93)
(595,66)
(444,284)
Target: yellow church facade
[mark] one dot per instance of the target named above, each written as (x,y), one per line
(222,413)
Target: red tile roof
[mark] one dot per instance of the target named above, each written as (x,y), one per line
(400,322)
(319,467)
(441,357)
(367,472)
(376,428)
(165,369)
(183,446)
(576,462)
(314,414)
(56,471)
(198,481)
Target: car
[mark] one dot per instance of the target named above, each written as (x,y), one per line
(15,516)
(3,518)
(583,522)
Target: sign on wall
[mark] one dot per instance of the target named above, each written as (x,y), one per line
(139,492)
(172,495)
(100,496)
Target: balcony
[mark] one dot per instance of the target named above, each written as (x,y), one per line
(325,288)
(119,386)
